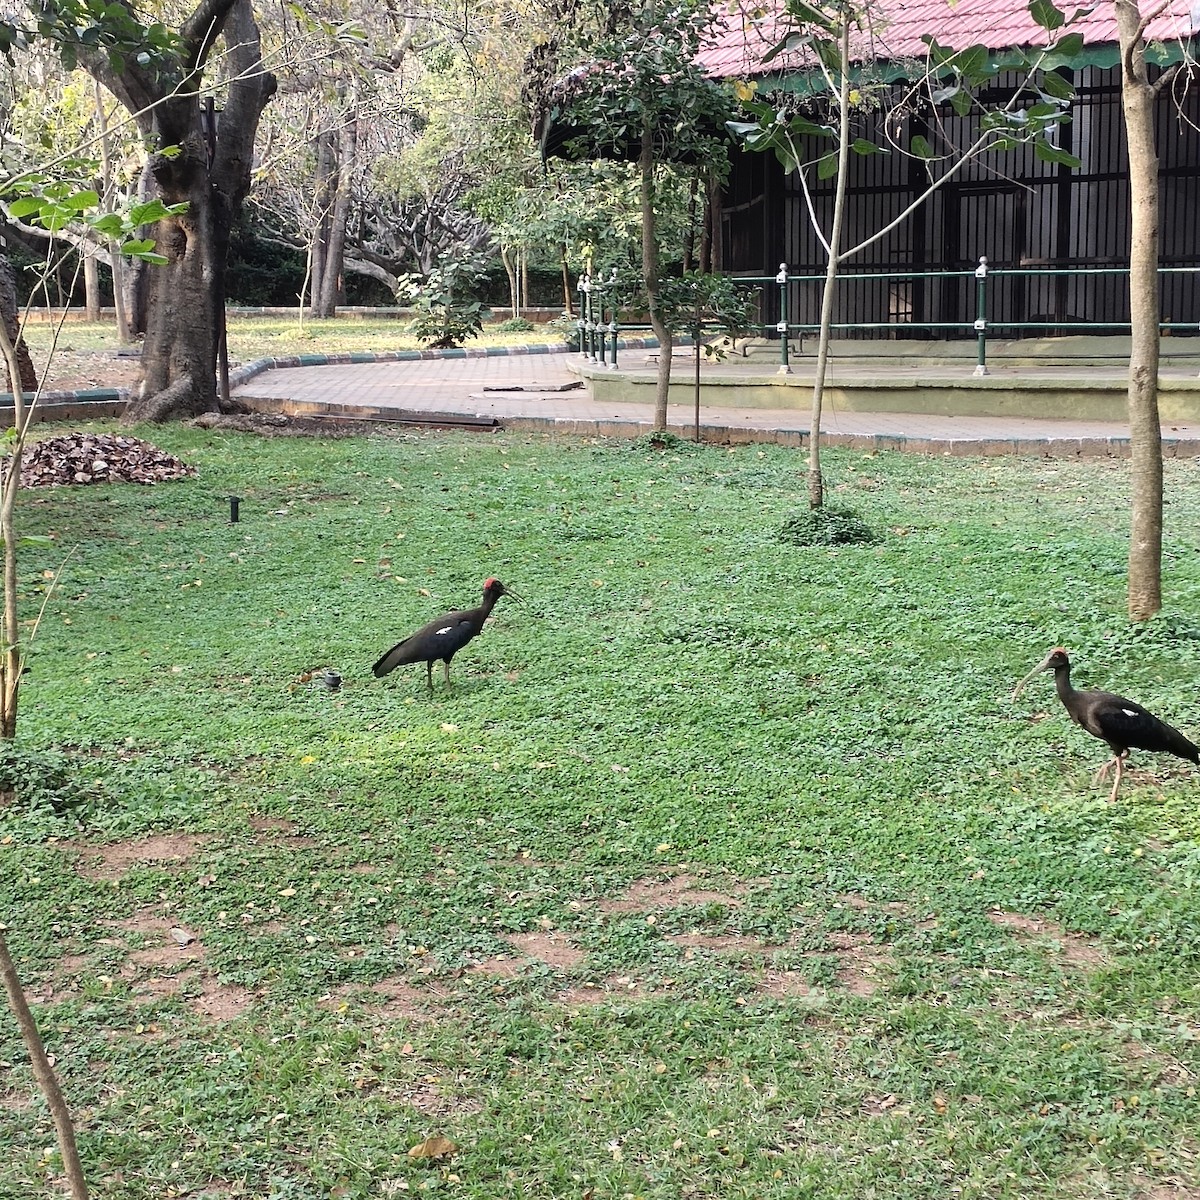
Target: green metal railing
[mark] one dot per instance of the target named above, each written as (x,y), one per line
(979,324)
(600,326)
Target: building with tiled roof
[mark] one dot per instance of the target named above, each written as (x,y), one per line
(1013,208)
(896,29)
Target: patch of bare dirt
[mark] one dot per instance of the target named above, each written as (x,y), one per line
(394,996)
(862,965)
(278,831)
(596,992)
(156,987)
(429,1098)
(117,859)
(553,949)
(281,424)
(677,892)
(12,1101)
(720,943)
(272,825)
(782,984)
(222,1001)
(499,966)
(80,370)
(1074,949)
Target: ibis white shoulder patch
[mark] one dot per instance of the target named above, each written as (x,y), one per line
(447,628)
(1129,712)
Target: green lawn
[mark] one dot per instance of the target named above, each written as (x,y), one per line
(727,869)
(252,338)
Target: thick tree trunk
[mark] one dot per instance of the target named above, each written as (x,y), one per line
(180,352)
(211,174)
(662,331)
(9,313)
(1145,431)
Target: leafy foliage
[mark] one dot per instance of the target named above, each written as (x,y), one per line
(448,310)
(829,525)
(516,325)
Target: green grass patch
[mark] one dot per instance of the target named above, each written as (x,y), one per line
(726,868)
(257,337)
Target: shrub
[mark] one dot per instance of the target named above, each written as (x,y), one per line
(447,311)
(515,325)
(826,526)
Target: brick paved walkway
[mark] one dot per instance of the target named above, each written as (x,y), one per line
(541,391)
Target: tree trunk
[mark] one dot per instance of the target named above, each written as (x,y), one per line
(114,254)
(511,272)
(650,278)
(185,296)
(335,247)
(816,484)
(91,283)
(10,483)
(10,315)
(568,291)
(44,1073)
(326,187)
(1145,431)
(716,223)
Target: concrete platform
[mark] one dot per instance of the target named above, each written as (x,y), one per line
(535,392)
(1077,378)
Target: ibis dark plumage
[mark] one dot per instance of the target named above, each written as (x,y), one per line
(443,637)
(1121,723)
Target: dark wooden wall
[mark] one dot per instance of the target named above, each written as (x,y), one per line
(1011,207)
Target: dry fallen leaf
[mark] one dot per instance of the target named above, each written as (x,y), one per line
(433,1147)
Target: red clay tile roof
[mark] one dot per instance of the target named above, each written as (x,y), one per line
(751,29)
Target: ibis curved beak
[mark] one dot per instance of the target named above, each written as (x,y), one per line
(1044,665)
(512,595)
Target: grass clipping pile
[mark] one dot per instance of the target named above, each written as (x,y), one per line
(79,458)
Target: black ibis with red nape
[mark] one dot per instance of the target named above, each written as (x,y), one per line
(1121,723)
(443,637)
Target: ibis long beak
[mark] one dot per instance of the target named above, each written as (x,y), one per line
(1044,665)
(512,595)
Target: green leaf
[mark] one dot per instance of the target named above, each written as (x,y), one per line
(1054,85)
(1052,154)
(813,16)
(25,207)
(1046,15)
(920,147)
(83,200)
(862,146)
(827,166)
(1069,46)
(973,64)
(961,102)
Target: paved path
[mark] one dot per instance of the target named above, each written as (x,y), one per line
(541,391)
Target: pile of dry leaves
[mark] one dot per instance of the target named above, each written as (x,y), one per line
(77,458)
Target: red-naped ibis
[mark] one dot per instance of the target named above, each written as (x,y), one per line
(1121,723)
(443,637)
